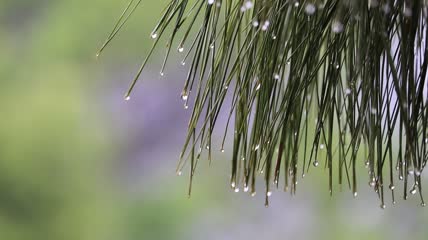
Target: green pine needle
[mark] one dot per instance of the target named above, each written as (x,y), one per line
(339,83)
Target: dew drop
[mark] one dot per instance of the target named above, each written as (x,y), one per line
(258,87)
(236,190)
(154,35)
(210,2)
(233,184)
(417,173)
(383,206)
(253,194)
(222,150)
(423,204)
(179,173)
(184,96)
(256,147)
(400,177)
(372,183)
(322,146)
(269,193)
(410,171)
(276,76)
(162,74)
(391,186)
(127,98)
(246,189)
(296,4)
(355,194)
(180,49)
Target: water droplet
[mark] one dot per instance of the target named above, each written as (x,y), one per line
(391,186)
(265,25)
(180,49)
(179,173)
(233,184)
(413,190)
(310,9)
(253,194)
(372,183)
(383,206)
(183,63)
(162,74)
(222,150)
(322,146)
(258,87)
(210,2)
(276,76)
(337,26)
(348,91)
(226,87)
(410,171)
(154,35)
(255,23)
(236,190)
(423,204)
(127,98)
(269,193)
(400,177)
(184,96)
(296,4)
(246,189)
(256,147)
(337,66)
(417,173)
(355,194)
(407,11)
(316,163)
(367,164)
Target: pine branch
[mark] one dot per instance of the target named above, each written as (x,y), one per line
(358,67)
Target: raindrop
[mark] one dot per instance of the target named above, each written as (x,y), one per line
(413,190)
(383,206)
(180,49)
(162,74)
(255,23)
(154,35)
(222,150)
(210,2)
(372,183)
(391,186)
(310,9)
(337,26)
(246,189)
(417,173)
(257,147)
(355,194)
(236,190)
(316,163)
(410,171)
(347,91)
(423,204)
(322,146)
(258,87)
(400,177)
(183,63)
(253,194)
(269,193)
(276,76)
(233,184)
(184,96)
(127,98)
(179,173)
(296,4)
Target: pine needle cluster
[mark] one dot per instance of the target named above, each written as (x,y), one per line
(339,83)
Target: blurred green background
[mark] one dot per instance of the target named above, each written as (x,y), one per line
(78,162)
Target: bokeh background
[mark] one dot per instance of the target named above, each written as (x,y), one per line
(77,162)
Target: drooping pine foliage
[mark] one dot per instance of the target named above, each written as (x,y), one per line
(338,83)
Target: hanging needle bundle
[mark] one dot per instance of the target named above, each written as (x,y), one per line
(339,83)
